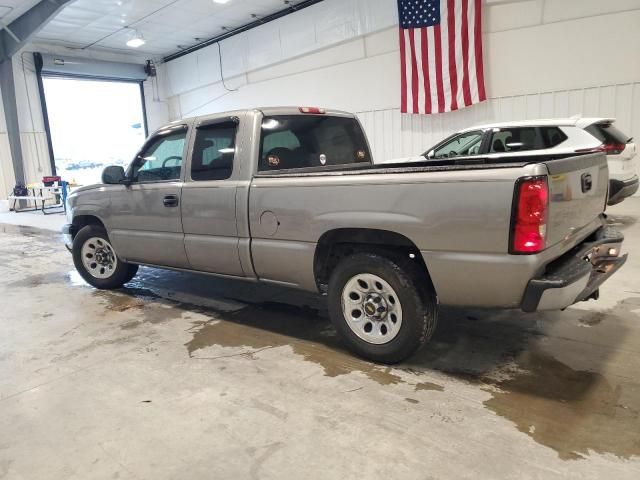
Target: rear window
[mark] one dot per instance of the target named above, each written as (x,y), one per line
(523,139)
(607,133)
(300,141)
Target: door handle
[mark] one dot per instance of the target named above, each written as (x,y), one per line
(170,201)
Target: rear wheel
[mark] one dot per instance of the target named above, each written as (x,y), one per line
(380,308)
(96,260)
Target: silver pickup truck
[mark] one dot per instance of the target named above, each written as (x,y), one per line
(290,196)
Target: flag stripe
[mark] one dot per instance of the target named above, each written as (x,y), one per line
(440,55)
(414,71)
(464,31)
(478,55)
(453,77)
(419,56)
(473,71)
(403,80)
(439,83)
(425,70)
(433,85)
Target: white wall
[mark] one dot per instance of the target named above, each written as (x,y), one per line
(543,58)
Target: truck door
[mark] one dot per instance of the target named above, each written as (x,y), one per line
(144,221)
(209,199)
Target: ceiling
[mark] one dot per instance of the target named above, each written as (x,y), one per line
(12,9)
(168,26)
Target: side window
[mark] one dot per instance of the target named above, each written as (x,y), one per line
(214,152)
(464,144)
(523,139)
(553,136)
(304,141)
(162,160)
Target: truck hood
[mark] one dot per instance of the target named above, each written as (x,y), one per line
(87,188)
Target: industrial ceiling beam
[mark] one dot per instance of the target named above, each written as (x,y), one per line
(15,35)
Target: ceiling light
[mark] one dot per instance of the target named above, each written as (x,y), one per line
(136,41)
(220,1)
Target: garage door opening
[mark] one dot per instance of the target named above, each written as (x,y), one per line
(93,124)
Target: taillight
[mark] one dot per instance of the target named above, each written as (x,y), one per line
(598,149)
(614,148)
(312,110)
(606,148)
(530,214)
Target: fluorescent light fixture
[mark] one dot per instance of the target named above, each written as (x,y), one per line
(220,1)
(136,41)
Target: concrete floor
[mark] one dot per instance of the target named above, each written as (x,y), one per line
(187,377)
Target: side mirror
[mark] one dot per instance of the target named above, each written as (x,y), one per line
(431,154)
(113,175)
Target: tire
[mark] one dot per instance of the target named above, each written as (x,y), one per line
(415,307)
(107,272)
(133,270)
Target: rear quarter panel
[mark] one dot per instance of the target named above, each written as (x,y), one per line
(456,219)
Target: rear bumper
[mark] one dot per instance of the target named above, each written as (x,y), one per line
(67,235)
(621,189)
(577,275)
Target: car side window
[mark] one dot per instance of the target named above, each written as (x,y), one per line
(214,151)
(161,160)
(522,139)
(462,145)
(553,136)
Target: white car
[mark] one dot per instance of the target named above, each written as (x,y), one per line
(549,138)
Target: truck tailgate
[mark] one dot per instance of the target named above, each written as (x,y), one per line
(578,192)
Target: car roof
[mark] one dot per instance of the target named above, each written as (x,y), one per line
(543,122)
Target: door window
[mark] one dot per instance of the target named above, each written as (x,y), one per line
(162,160)
(214,151)
(462,145)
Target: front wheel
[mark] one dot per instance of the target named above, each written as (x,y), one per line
(96,260)
(379,308)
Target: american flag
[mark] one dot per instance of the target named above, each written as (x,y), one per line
(441,55)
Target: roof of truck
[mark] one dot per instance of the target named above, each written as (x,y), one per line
(266,111)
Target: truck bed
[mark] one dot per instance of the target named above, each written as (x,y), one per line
(442,165)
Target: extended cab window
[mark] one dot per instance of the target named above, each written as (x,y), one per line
(161,160)
(303,141)
(214,151)
(522,139)
(465,144)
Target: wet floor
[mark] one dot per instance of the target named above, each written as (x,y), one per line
(183,375)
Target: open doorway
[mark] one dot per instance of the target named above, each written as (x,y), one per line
(93,123)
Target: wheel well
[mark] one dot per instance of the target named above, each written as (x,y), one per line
(340,243)
(83,220)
